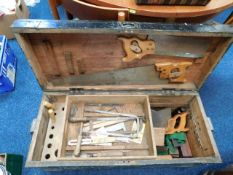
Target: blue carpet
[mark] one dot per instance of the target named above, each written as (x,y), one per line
(18,108)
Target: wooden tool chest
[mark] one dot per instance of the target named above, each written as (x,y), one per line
(92,72)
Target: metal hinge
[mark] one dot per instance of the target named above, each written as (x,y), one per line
(76,91)
(174,92)
(168,91)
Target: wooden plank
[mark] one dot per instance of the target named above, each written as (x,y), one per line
(159,134)
(114,147)
(113,163)
(63,128)
(128,89)
(54,132)
(37,142)
(52,26)
(80,113)
(107,158)
(213,58)
(149,128)
(185,149)
(26,45)
(199,134)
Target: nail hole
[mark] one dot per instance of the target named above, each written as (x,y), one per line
(55,113)
(47,156)
(51,136)
(49,145)
(55,153)
(63,109)
(52,127)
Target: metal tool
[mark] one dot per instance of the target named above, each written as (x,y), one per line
(175,72)
(129,116)
(172,128)
(160,117)
(136,48)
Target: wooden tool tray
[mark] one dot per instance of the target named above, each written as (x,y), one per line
(85,68)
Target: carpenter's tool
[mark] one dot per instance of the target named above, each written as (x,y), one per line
(136,48)
(48,105)
(177,123)
(180,139)
(115,118)
(80,113)
(107,154)
(175,72)
(73,111)
(179,110)
(162,150)
(160,117)
(52,115)
(130,116)
(185,149)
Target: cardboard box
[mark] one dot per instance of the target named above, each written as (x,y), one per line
(6,20)
(7,67)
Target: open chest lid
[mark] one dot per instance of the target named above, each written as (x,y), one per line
(113,55)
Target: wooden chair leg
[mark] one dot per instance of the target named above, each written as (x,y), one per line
(53,6)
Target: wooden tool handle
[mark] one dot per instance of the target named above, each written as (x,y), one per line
(80,130)
(136,48)
(175,72)
(49,105)
(84,119)
(171,129)
(78,145)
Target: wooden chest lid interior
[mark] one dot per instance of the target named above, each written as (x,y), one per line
(81,54)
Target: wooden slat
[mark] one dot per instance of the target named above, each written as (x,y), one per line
(116,147)
(80,115)
(52,26)
(199,133)
(33,60)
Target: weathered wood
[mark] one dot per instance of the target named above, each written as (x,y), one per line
(159,134)
(80,115)
(54,132)
(199,135)
(212,59)
(100,60)
(96,55)
(33,60)
(116,147)
(51,26)
(133,100)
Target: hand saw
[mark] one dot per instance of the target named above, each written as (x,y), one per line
(179,47)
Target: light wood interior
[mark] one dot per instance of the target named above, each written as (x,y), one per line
(46,144)
(137,105)
(65,60)
(199,135)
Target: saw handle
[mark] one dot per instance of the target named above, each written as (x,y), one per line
(136,48)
